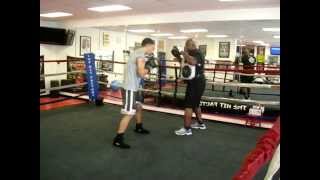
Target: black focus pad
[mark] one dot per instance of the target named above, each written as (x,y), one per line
(176,53)
(186,71)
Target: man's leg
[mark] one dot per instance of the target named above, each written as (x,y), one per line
(187,117)
(199,124)
(139,127)
(123,125)
(138,114)
(186,130)
(197,111)
(129,112)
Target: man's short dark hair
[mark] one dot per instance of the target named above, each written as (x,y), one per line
(147,41)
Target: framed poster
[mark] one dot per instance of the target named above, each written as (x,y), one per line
(261,50)
(161,45)
(106,39)
(203,49)
(75,64)
(137,45)
(85,45)
(261,54)
(224,49)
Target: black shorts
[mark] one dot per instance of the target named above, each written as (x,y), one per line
(130,100)
(194,92)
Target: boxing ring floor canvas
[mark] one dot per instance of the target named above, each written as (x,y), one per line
(75,143)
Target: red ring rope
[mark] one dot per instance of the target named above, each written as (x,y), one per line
(261,155)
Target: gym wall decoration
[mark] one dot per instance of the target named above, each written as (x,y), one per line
(85,45)
(137,45)
(161,45)
(224,49)
(203,49)
(261,54)
(76,64)
(106,40)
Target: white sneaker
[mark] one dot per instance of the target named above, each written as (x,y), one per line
(183,131)
(197,125)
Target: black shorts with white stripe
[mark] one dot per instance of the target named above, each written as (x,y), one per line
(130,99)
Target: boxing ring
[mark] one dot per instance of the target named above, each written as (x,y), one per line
(221,100)
(164,93)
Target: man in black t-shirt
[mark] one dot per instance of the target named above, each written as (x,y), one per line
(248,61)
(195,89)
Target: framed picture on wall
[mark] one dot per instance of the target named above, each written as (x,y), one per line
(137,45)
(261,50)
(85,45)
(106,39)
(203,49)
(224,49)
(161,45)
(261,54)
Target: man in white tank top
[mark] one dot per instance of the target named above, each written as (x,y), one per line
(139,64)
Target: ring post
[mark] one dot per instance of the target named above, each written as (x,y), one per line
(160,85)
(214,76)
(176,84)
(91,75)
(225,77)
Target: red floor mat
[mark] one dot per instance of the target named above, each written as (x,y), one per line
(68,102)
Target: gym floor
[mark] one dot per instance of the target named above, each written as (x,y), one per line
(75,144)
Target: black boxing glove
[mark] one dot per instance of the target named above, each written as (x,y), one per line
(151,63)
(176,53)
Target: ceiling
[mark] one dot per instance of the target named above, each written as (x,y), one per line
(79,7)
(248,30)
(244,30)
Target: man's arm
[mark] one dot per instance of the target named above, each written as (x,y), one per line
(189,59)
(140,67)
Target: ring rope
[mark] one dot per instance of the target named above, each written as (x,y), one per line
(258,102)
(62,87)
(252,85)
(276,103)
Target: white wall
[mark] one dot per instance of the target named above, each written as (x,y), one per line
(118,42)
(212,47)
(50,24)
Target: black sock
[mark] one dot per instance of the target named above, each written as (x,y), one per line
(187,128)
(139,126)
(119,135)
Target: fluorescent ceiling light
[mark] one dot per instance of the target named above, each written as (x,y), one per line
(271,29)
(141,30)
(161,34)
(217,36)
(55,14)
(258,42)
(193,30)
(178,37)
(110,8)
(276,36)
